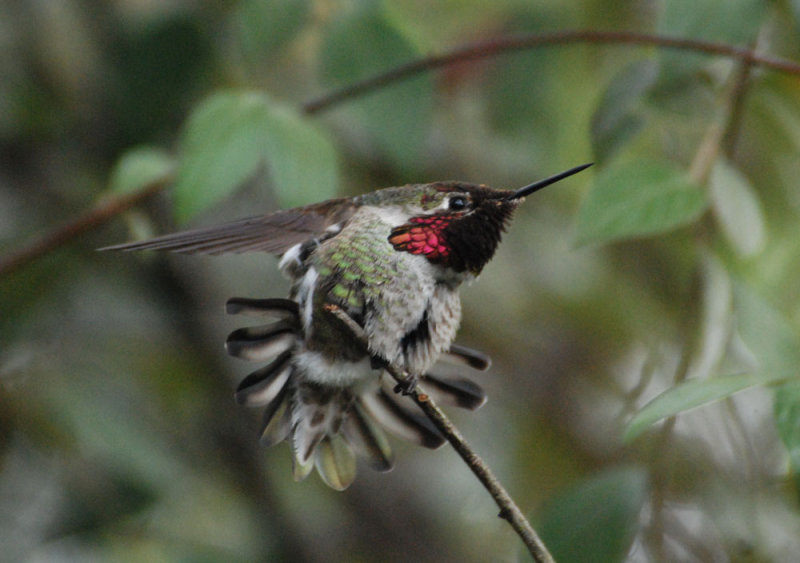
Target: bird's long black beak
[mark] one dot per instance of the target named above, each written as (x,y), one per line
(536,186)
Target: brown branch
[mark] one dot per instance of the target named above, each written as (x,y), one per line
(499,46)
(719,135)
(508,508)
(471,51)
(100,214)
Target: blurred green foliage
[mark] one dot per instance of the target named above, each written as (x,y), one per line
(643,316)
(231,135)
(596,519)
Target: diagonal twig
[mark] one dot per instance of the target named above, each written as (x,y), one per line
(508,508)
(498,46)
(471,51)
(98,215)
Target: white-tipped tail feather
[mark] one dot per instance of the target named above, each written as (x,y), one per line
(328,425)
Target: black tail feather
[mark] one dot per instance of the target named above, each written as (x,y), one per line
(276,308)
(277,420)
(404,423)
(328,427)
(461,355)
(263,385)
(260,343)
(368,439)
(456,391)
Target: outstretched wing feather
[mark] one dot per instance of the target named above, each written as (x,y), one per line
(274,233)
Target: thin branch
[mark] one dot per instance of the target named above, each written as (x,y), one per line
(499,46)
(718,134)
(100,214)
(662,474)
(471,51)
(508,508)
(721,131)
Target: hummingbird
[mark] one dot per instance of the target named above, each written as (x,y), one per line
(392,260)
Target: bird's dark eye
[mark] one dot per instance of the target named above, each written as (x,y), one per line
(457,203)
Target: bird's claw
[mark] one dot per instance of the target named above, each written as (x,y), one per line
(407,386)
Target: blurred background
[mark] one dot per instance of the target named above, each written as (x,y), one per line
(668,271)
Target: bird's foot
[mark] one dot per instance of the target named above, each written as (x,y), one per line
(407,386)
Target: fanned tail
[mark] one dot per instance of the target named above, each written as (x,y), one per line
(328,427)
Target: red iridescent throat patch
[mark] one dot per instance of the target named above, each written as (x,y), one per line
(422,235)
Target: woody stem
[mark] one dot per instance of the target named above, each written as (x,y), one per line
(508,508)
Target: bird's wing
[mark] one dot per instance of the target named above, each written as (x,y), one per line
(275,232)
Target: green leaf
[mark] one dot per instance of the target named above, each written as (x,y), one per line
(730,21)
(779,107)
(766,334)
(229,136)
(685,396)
(264,27)
(140,167)
(786,409)
(638,198)
(596,520)
(302,161)
(737,209)
(364,43)
(618,117)
(222,147)
(734,21)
